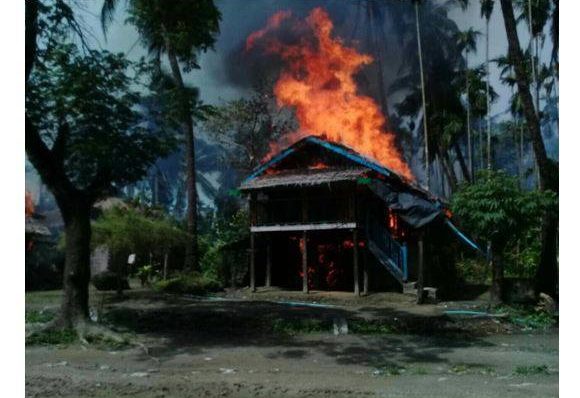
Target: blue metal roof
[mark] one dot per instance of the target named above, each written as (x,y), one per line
(336,148)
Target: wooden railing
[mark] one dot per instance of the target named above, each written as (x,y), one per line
(392,254)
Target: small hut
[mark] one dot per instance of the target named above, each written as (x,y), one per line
(327,218)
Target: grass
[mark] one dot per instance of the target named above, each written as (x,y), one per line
(293,327)
(361,326)
(530,370)
(389,369)
(471,368)
(107,343)
(527,317)
(38,316)
(52,337)
(419,371)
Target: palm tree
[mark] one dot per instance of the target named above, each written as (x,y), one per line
(466,41)
(486,11)
(423,100)
(546,277)
(179,29)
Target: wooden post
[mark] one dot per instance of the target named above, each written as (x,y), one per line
(269,262)
(304,249)
(355,262)
(252,262)
(420,271)
(365,272)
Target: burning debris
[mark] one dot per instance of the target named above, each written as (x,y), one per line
(318,81)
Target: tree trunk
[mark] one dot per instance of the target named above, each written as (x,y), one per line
(548,170)
(496,265)
(448,169)
(74,308)
(461,159)
(487,97)
(424,101)
(191,259)
(468,123)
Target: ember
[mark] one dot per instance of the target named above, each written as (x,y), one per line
(319,83)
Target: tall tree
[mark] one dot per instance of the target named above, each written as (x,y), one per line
(180,29)
(486,11)
(83,136)
(423,100)
(546,278)
(466,41)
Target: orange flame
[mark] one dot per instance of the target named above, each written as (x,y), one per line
(319,83)
(318,166)
(28,204)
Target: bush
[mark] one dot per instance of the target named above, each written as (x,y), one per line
(107,281)
(188,283)
(474,270)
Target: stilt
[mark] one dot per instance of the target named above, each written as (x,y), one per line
(420,271)
(355,262)
(304,249)
(365,273)
(252,263)
(269,262)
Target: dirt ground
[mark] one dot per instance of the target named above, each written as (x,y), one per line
(226,347)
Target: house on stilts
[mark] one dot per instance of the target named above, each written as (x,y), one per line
(324,217)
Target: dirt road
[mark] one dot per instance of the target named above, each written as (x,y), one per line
(203,349)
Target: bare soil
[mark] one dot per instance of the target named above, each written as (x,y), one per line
(226,346)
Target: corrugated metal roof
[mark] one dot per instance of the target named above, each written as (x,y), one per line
(303,177)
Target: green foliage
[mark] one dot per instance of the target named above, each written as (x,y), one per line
(473,270)
(36,316)
(292,327)
(145,273)
(245,128)
(183,27)
(52,337)
(188,283)
(362,326)
(133,230)
(494,208)
(527,317)
(222,250)
(529,370)
(85,106)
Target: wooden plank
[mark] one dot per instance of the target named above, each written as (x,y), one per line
(355,262)
(303,227)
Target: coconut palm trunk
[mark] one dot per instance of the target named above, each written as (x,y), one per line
(547,274)
(468,122)
(191,259)
(487,95)
(424,101)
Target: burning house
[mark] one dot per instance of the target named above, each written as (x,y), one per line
(328,218)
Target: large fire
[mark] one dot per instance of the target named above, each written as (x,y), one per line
(318,82)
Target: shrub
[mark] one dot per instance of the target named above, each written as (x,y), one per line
(107,281)
(52,337)
(473,270)
(188,283)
